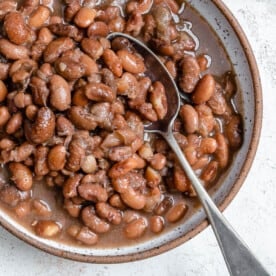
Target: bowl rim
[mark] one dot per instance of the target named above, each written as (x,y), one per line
(227,200)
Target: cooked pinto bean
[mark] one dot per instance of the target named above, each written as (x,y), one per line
(222,151)
(16,29)
(92,192)
(21,176)
(83,234)
(41,166)
(156,224)
(177,212)
(84,17)
(38,18)
(233,132)
(130,62)
(81,118)
(204,89)
(70,186)
(99,92)
(13,51)
(43,127)
(136,228)
(47,228)
(210,172)
(189,118)
(94,222)
(14,123)
(190,71)
(57,158)
(158,99)
(4,115)
(97,29)
(105,211)
(60,94)
(113,62)
(56,48)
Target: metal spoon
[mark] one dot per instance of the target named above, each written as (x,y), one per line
(239,259)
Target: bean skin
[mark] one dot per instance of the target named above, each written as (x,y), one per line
(99,92)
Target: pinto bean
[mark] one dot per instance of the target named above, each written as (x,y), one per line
(189,118)
(133,199)
(208,145)
(99,92)
(92,192)
(113,62)
(84,17)
(41,166)
(71,185)
(128,85)
(57,158)
(158,161)
(43,127)
(16,29)
(56,48)
(71,10)
(206,121)
(47,228)
(4,115)
(38,18)
(105,211)
(222,151)
(177,212)
(92,47)
(123,167)
(97,29)
(4,70)
(14,123)
(209,173)
(76,155)
(60,94)
(120,153)
(116,202)
(181,181)
(94,222)
(156,224)
(233,132)
(136,228)
(158,99)
(190,71)
(23,208)
(41,208)
(132,63)
(81,118)
(83,234)
(31,112)
(21,176)
(204,89)
(20,153)
(13,51)
(217,102)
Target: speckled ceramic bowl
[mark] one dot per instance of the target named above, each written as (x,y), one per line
(242,58)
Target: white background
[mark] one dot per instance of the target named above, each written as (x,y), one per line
(252,213)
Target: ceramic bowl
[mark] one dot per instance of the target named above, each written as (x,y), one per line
(236,44)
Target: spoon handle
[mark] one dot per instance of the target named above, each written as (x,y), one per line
(239,259)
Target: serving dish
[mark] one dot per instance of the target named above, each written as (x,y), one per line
(242,58)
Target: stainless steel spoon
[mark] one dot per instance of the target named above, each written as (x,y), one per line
(239,259)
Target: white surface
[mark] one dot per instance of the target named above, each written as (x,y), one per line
(252,213)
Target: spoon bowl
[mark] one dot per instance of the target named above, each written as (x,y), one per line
(238,258)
